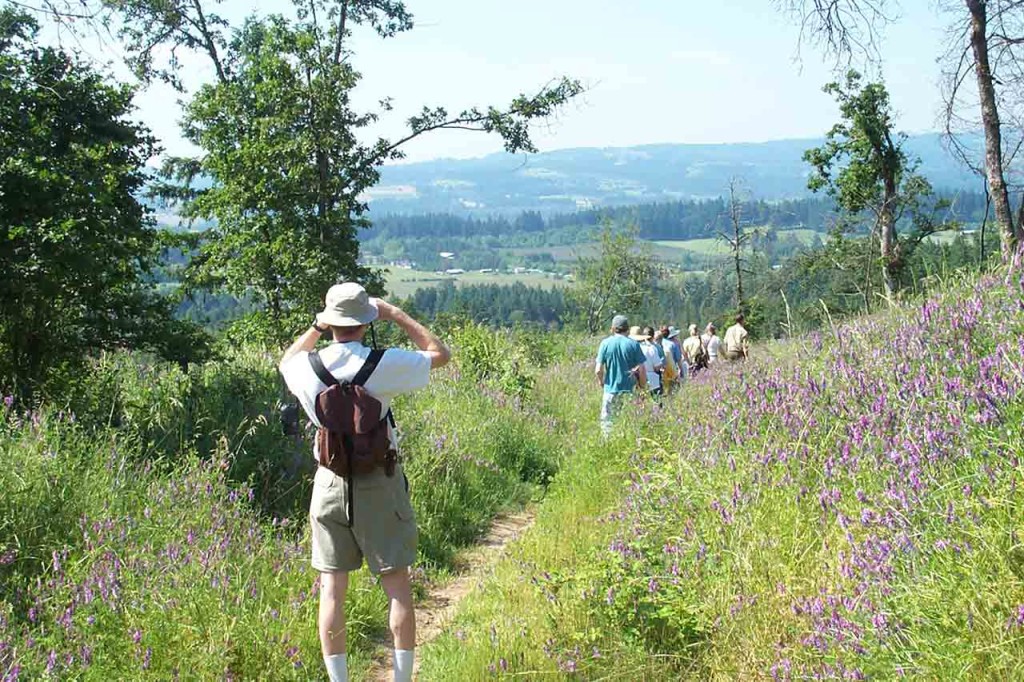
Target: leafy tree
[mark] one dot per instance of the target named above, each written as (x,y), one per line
(77,245)
(619,279)
(282,172)
(863,166)
(987,38)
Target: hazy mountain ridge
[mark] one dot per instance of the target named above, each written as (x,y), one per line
(569,179)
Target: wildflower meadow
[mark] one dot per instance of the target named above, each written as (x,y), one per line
(844,505)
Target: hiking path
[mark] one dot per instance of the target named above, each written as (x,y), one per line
(435,612)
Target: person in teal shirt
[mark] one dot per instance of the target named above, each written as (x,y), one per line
(619,368)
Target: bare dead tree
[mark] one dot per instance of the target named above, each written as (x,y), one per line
(737,238)
(984,73)
(844,29)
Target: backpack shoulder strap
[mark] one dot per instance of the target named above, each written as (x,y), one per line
(369,365)
(326,377)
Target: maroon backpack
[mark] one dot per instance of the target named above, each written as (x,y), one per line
(353,436)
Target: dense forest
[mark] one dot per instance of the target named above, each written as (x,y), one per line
(494,304)
(493,242)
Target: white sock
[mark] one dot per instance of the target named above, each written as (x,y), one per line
(404,659)
(337,667)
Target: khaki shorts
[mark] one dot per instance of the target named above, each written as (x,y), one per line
(384,531)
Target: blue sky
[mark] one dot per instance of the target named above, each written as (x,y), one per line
(656,71)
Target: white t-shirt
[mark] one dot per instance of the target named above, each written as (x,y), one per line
(399,371)
(652,363)
(712,343)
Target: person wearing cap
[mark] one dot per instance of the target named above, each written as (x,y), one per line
(383,528)
(711,342)
(670,373)
(619,368)
(670,376)
(674,334)
(677,353)
(654,360)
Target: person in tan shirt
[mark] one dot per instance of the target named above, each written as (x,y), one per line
(694,352)
(735,341)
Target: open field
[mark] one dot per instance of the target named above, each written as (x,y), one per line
(693,253)
(713,246)
(404,282)
(667,249)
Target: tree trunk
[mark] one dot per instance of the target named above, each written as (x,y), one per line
(1019,225)
(990,122)
(739,282)
(737,243)
(887,238)
(323,175)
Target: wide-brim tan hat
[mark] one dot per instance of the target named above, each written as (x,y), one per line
(637,335)
(347,305)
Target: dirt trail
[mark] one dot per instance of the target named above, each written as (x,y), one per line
(435,611)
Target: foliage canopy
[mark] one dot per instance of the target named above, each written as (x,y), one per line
(77,244)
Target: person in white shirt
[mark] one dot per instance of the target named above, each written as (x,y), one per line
(711,342)
(378,524)
(653,361)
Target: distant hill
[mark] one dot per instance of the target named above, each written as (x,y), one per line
(571,179)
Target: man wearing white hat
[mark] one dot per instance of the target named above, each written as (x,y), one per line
(379,524)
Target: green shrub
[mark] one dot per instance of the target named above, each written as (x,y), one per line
(159,530)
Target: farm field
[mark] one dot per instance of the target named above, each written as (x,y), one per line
(402,282)
(664,249)
(715,246)
(667,251)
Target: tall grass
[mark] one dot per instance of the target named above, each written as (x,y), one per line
(844,507)
(154,527)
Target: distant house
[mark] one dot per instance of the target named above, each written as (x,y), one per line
(447,255)
(484,271)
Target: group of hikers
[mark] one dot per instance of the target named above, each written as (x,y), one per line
(656,361)
(360,508)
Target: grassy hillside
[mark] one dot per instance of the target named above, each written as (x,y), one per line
(845,506)
(156,528)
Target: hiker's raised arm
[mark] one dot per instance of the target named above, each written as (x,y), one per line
(306,342)
(424,339)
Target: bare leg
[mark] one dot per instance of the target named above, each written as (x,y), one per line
(402,618)
(332,612)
